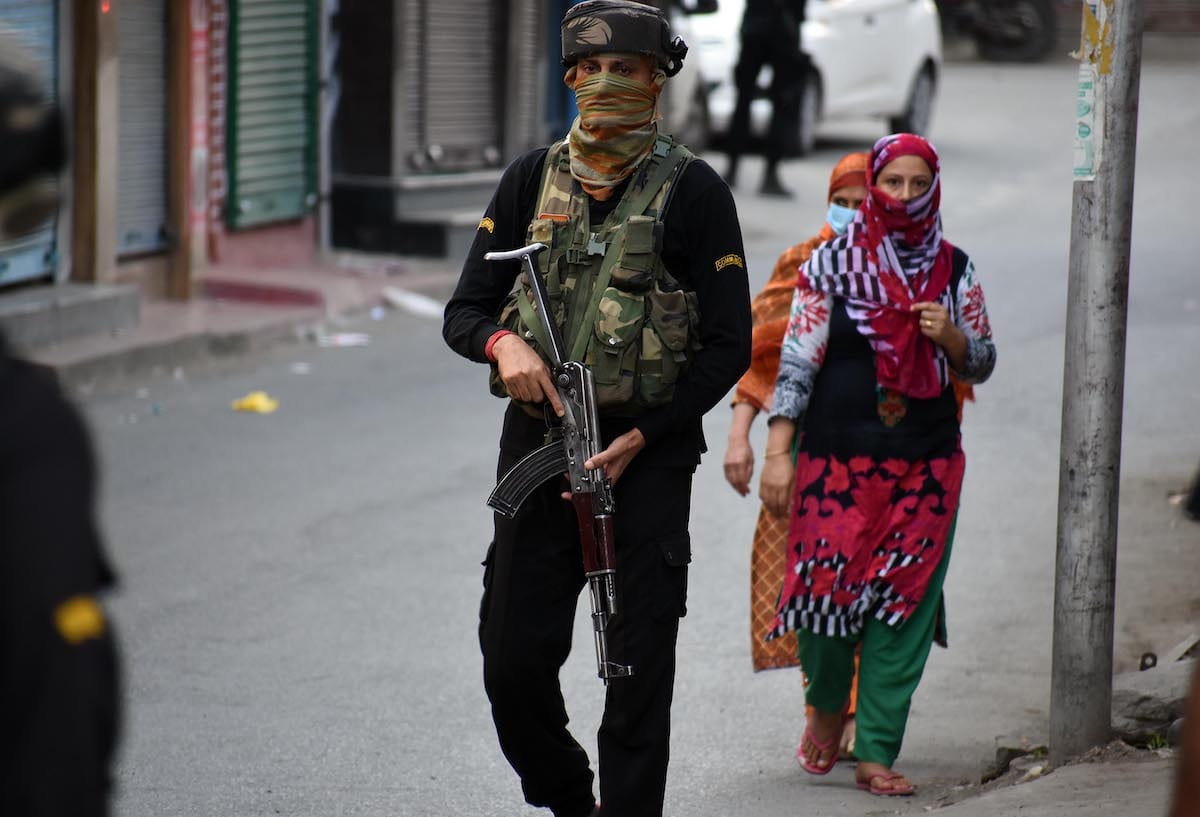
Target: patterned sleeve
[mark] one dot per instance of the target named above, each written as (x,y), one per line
(973,321)
(803,352)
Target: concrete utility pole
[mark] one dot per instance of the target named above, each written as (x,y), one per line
(1093,382)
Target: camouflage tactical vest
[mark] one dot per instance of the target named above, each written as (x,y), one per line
(619,310)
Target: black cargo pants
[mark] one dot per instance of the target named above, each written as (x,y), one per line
(532,580)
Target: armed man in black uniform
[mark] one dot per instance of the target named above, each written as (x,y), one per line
(647,282)
(58,674)
(770,35)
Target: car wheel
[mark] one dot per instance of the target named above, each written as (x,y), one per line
(918,113)
(810,115)
(696,130)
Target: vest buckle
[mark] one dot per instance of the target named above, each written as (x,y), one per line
(595,247)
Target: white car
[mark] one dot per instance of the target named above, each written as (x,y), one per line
(871,58)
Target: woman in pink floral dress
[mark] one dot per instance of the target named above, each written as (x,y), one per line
(883,320)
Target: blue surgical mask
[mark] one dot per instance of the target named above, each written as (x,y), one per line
(839,218)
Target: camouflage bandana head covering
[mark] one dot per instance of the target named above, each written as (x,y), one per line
(615,129)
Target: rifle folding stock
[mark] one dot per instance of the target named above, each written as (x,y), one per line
(570,445)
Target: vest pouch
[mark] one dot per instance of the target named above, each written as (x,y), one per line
(664,347)
(541,230)
(612,352)
(634,270)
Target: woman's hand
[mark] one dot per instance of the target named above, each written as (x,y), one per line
(938,327)
(776,484)
(739,456)
(739,464)
(778,474)
(525,374)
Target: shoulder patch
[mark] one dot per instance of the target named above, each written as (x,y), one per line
(79,619)
(731,260)
(487,224)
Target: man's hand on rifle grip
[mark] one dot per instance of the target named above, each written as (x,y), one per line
(525,374)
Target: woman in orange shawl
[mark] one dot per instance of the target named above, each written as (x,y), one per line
(847,189)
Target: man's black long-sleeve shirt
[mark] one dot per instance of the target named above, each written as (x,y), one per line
(702,249)
(59,701)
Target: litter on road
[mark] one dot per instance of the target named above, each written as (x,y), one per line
(256,402)
(343,339)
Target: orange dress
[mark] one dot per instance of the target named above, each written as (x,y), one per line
(768,555)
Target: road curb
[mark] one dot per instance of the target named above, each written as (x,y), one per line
(165,356)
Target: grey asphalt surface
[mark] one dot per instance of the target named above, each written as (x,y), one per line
(299,590)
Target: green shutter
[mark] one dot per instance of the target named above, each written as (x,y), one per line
(272,138)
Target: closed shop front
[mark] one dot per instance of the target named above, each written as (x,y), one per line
(35,22)
(142,157)
(452,59)
(272,136)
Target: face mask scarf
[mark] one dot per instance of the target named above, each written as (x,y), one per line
(839,218)
(892,256)
(615,129)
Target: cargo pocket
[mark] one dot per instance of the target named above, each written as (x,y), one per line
(634,270)
(677,555)
(613,351)
(489,569)
(664,347)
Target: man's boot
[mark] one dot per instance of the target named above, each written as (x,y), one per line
(771,186)
(731,172)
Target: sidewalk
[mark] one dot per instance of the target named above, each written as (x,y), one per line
(241,310)
(1136,785)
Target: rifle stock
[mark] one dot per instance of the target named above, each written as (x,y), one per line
(570,447)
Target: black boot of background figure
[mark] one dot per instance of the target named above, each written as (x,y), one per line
(731,172)
(771,186)
(1191,505)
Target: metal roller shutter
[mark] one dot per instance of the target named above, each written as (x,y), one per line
(271,142)
(451,58)
(36,23)
(525,114)
(142,156)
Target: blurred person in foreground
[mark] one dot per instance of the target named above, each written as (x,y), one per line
(58,671)
(770,309)
(646,274)
(1185,801)
(882,319)
(770,36)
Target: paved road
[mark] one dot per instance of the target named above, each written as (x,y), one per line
(299,589)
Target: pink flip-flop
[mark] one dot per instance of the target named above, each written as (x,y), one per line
(833,743)
(885,777)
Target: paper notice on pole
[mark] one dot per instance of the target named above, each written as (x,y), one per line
(1087,124)
(1095,57)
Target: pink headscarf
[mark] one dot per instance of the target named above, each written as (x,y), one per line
(892,256)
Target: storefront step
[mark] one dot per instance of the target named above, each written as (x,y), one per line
(44,315)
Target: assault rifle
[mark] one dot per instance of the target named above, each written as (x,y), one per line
(571,444)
